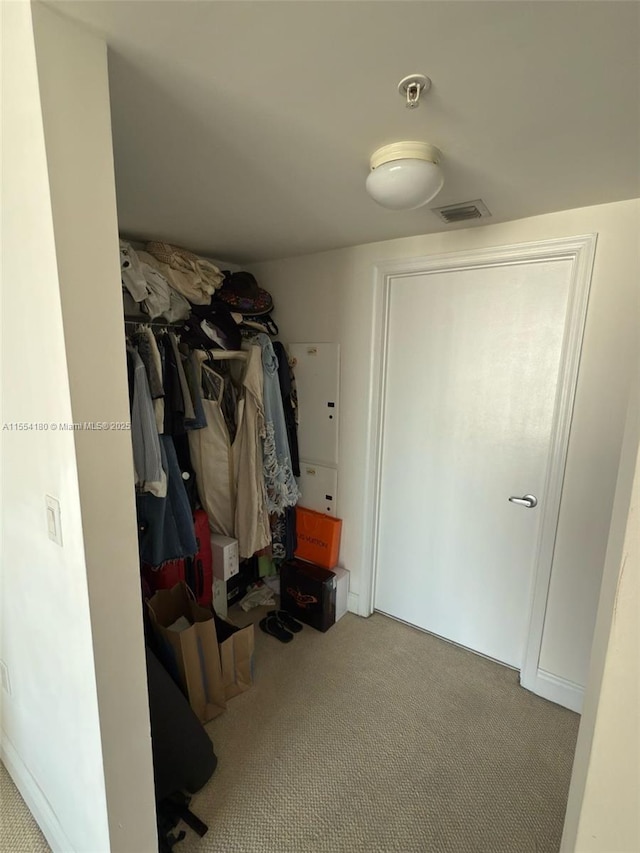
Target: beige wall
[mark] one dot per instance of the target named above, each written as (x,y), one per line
(329,297)
(610,813)
(76,733)
(72,67)
(50,722)
(603,811)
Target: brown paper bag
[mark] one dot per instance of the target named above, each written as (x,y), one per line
(236,656)
(191,654)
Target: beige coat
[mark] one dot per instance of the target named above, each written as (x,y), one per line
(229,475)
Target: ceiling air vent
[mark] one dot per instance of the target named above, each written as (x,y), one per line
(466,211)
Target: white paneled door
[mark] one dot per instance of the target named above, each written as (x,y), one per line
(472,370)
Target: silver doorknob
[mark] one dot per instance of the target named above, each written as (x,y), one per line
(527,500)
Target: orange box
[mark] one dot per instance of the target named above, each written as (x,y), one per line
(318,537)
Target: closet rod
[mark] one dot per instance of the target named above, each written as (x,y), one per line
(156,324)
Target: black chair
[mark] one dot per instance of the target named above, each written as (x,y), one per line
(183,756)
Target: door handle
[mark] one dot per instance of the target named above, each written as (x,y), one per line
(527,500)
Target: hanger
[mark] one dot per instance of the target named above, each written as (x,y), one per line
(261,324)
(227,354)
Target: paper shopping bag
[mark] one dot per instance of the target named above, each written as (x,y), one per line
(318,537)
(188,644)
(236,656)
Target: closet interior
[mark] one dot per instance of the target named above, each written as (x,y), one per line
(230,519)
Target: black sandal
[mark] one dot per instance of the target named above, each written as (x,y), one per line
(271,625)
(287,620)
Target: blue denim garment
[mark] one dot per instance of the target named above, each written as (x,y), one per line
(165,525)
(147,459)
(281,486)
(190,366)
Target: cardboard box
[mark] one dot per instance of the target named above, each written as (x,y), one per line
(308,592)
(224,551)
(342,591)
(318,537)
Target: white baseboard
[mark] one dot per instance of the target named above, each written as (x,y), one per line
(559,690)
(34,797)
(353,603)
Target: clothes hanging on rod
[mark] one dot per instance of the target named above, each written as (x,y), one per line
(143,339)
(165,521)
(289,403)
(284,540)
(189,364)
(226,355)
(189,410)
(145,343)
(147,460)
(218,384)
(265,324)
(282,489)
(229,468)
(216,392)
(165,525)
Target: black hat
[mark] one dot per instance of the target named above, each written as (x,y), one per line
(240,292)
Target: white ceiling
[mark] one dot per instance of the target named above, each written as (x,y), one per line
(244,129)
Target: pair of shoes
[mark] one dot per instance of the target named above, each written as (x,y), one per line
(281,625)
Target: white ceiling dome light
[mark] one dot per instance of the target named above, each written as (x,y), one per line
(405,175)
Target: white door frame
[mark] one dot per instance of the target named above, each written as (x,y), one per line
(580,251)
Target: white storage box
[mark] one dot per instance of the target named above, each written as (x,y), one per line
(342,590)
(220,597)
(225,557)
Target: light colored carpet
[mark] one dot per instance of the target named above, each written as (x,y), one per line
(378,737)
(19,833)
(373,737)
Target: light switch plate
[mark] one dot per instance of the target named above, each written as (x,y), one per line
(54,526)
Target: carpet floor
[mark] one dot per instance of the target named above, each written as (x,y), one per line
(19,833)
(378,737)
(373,737)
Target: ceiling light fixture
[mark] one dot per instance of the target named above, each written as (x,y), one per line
(406,175)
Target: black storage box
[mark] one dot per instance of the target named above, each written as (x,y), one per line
(308,592)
